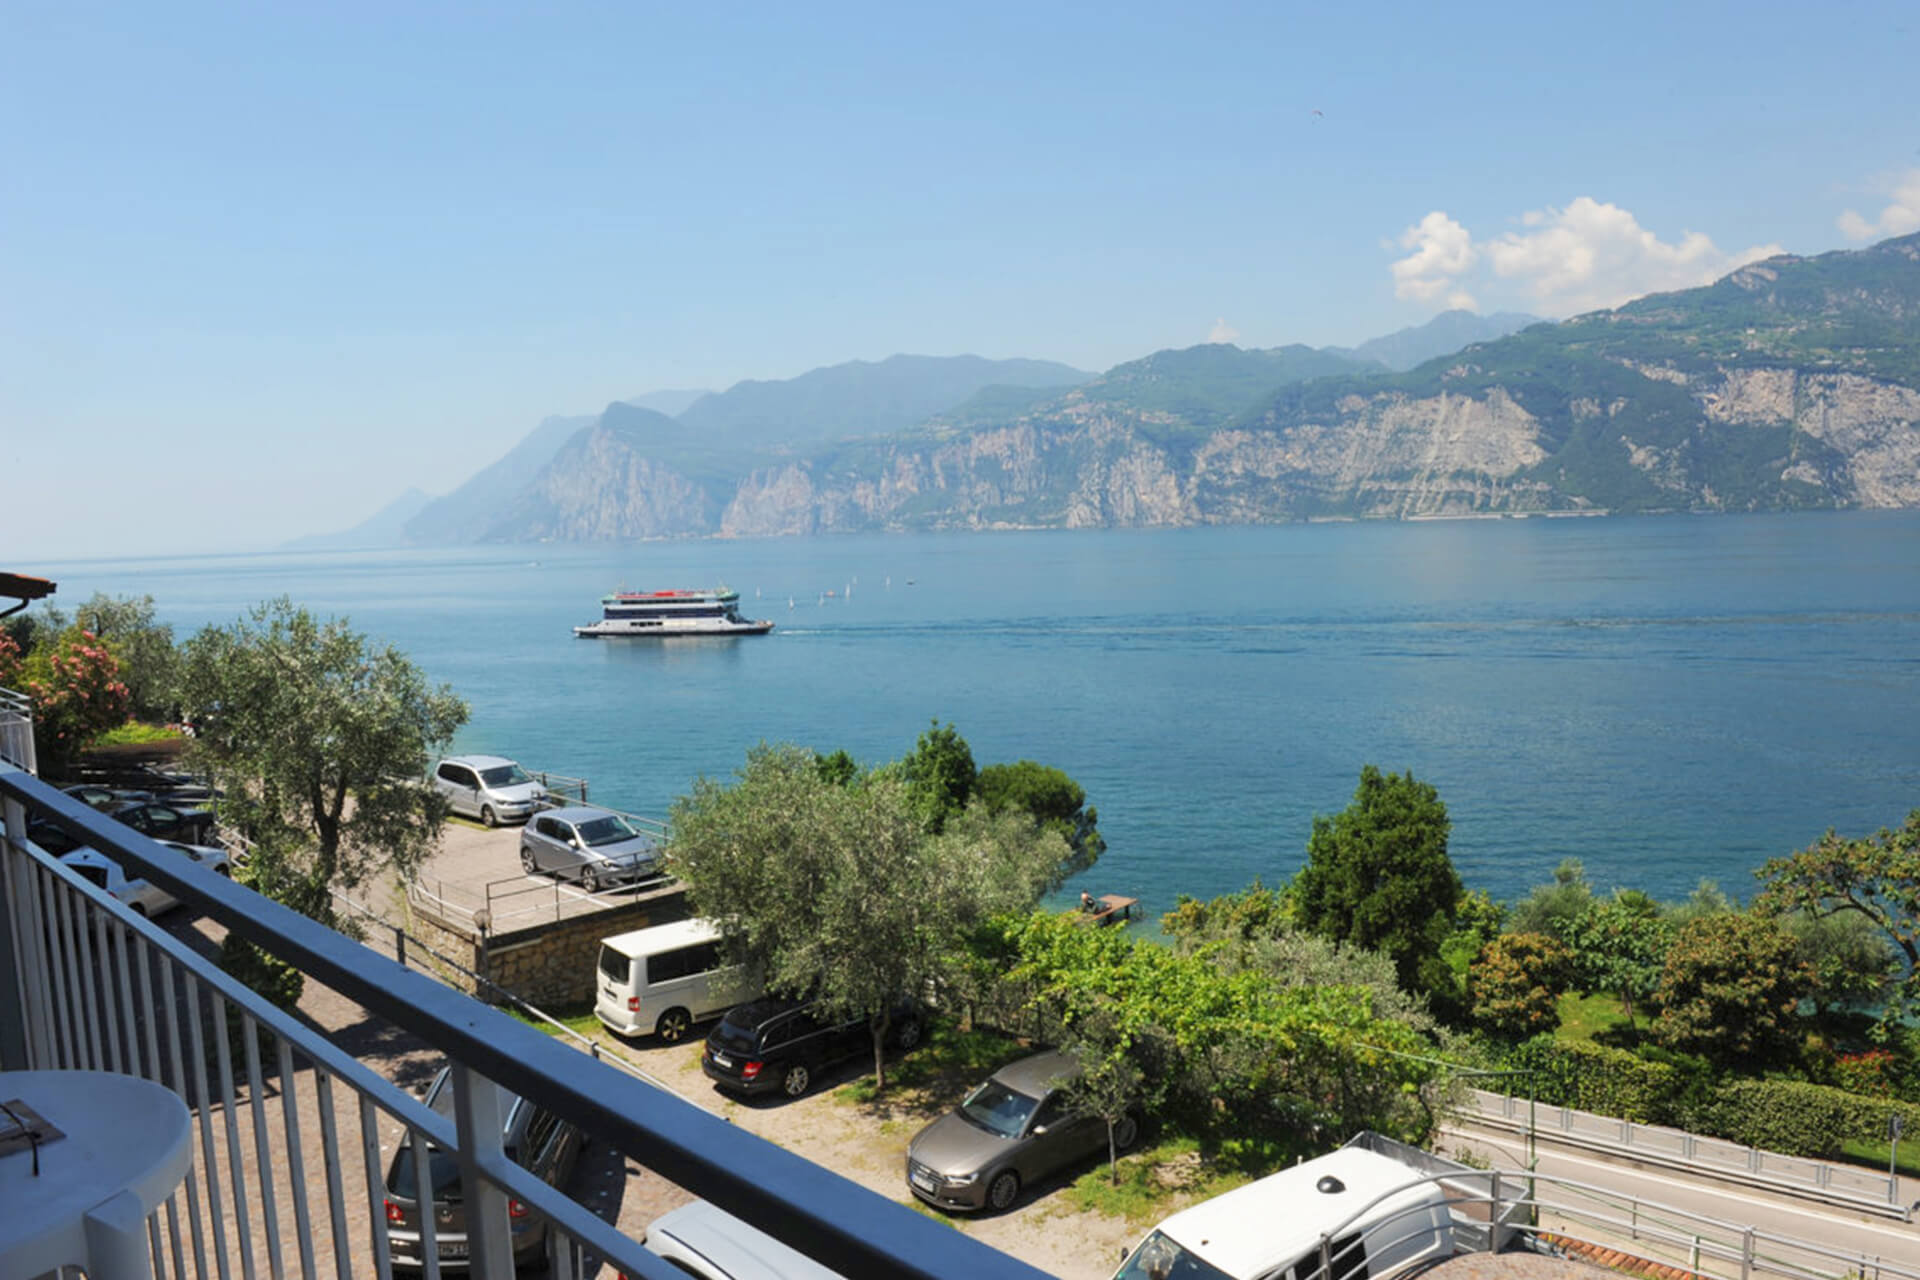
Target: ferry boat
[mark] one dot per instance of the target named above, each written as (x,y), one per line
(673,613)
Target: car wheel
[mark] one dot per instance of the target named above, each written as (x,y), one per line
(139,909)
(526,860)
(589,879)
(673,1026)
(487,816)
(906,1035)
(224,870)
(1126,1132)
(1003,1190)
(795,1080)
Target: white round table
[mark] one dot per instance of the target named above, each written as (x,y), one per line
(127,1145)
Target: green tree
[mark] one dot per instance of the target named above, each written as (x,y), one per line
(1549,908)
(842,892)
(1378,876)
(839,768)
(148,662)
(320,741)
(939,774)
(1515,984)
(1056,802)
(1255,912)
(1123,1075)
(1619,945)
(1729,990)
(1876,878)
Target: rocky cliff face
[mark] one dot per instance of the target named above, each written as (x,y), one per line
(1791,383)
(1843,439)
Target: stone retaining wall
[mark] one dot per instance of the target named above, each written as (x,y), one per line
(550,965)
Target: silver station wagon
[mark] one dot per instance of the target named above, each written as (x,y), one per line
(594,846)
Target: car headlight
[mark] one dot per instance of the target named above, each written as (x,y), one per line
(960,1179)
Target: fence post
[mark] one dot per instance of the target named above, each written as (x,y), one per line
(400,946)
(13,1008)
(478,1111)
(1746,1254)
(1497,1219)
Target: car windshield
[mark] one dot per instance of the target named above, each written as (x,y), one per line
(1161,1258)
(998,1109)
(505,775)
(608,830)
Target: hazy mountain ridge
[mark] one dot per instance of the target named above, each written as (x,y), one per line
(1785,385)
(1790,383)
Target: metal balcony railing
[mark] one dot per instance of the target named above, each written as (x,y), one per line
(293,1135)
(16,730)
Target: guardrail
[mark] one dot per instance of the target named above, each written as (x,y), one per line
(1848,1185)
(280,1170)
(16,730)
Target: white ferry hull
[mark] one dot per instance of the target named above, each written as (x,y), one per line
(669,628)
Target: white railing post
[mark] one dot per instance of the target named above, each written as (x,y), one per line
(13,965)
(479,1113)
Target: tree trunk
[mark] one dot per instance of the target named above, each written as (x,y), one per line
(880,1052)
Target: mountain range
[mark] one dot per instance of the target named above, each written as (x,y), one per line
(1790,383)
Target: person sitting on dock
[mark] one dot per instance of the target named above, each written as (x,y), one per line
(1087,902)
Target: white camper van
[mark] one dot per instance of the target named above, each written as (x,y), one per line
(664,979)
(1375,1216)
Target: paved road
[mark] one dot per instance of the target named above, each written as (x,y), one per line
(1848,1233)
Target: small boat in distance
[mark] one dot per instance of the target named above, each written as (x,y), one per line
(650,614)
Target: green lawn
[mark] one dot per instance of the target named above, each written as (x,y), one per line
(1600,1018)
(576,1018)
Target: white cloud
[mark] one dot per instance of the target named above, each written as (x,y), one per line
(1222,332)
(1442,249)
(1901,215)
(1561,261)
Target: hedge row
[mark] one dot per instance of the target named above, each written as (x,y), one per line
(1791,1117)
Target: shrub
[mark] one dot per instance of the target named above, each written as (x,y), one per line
(1608,1082)
(1514,986)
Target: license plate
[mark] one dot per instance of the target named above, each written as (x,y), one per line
(722,1060)
(924,1181)
(457,1249)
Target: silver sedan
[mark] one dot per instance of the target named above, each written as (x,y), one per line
(594,846)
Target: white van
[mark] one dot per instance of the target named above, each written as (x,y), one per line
(662,980)
(1377,1217)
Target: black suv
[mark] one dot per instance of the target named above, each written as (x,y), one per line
(781,1045)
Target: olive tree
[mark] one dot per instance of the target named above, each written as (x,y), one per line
(320,740)
(841,891)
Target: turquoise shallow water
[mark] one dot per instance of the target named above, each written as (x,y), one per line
(1665,698)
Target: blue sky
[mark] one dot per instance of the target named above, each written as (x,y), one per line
(262,267)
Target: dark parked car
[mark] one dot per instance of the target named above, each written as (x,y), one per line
(164,821)
(594,846)
(782,1045)
(157,818)
(1016,1127)
(95,796)
(534,1137)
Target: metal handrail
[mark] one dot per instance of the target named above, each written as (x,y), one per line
(1676,1148)
(818,1212)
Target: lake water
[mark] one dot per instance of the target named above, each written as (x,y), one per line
(1664,698)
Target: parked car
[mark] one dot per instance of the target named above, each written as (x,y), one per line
(534,1138)
(594,846)
(776,1044)
(1386,1219)
(181,788)
(664,979)
(95,796)
(164,821)
(1019,1125)
(145,899)
(490,788)
(704,1240)
(156,818)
